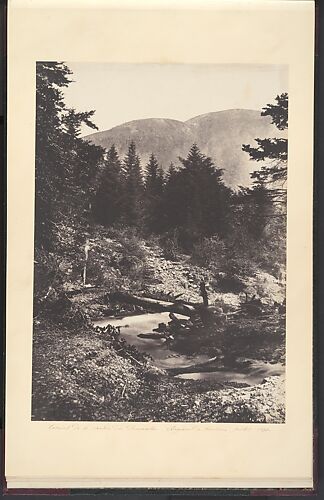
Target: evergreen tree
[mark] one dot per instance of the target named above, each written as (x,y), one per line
(197,198)
(269,193)
(270,190)
(257,235)
(272,150)
(154,176)
(133,184)
(259,213)
(250,211)
(82,160)
(171,171)
(64,161)
(169,200)
(64,171)
(107,202)
(207,209)
(49,173)
(154,183)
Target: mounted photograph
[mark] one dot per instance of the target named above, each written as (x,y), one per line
(160,243)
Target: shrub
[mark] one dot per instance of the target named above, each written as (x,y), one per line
(210,253)
(48,278)
(117,259)
(170,245)
(241,412)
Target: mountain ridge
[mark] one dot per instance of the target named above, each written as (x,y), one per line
(218,134)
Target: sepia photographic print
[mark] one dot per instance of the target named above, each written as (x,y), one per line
(160,243)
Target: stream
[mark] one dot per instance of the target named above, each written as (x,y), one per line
(254,371)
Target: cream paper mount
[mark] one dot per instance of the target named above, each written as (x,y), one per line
(58,454)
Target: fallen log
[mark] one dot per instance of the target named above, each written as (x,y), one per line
(152,335)
(207,315)
(155,304)
(183,323)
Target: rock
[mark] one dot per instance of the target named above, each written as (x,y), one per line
(153,371)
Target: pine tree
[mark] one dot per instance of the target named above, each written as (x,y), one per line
(251,209)
(195,200)
(270,191)
(171,171)
(202,198)
(64,161)
(107,202)
(64,172)
(154,183)
(272,150)
(82,160)
(133,192)
(154,177)
(49,175)
(169,201)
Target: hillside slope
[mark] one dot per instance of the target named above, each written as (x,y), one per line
(218,134)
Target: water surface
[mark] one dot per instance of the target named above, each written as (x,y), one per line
(252,373)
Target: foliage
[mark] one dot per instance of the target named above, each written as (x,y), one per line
(264,206)
(117,259)
(197,200)
(87,195)
(210,253)
(251,209)
(65,169)
(78,375)
(272,150)
(133,182)
(170,244)
(48,277)
(82,374)
(154,186)
(107,202)
(84,193)
(193,201)
(278,112)
(64,161)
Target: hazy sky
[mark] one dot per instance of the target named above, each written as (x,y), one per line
(125,92)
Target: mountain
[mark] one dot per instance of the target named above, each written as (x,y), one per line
(219,135)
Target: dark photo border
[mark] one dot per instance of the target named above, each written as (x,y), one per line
(318,273)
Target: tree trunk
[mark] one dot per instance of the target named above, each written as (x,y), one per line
(203,293)
(155,304)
